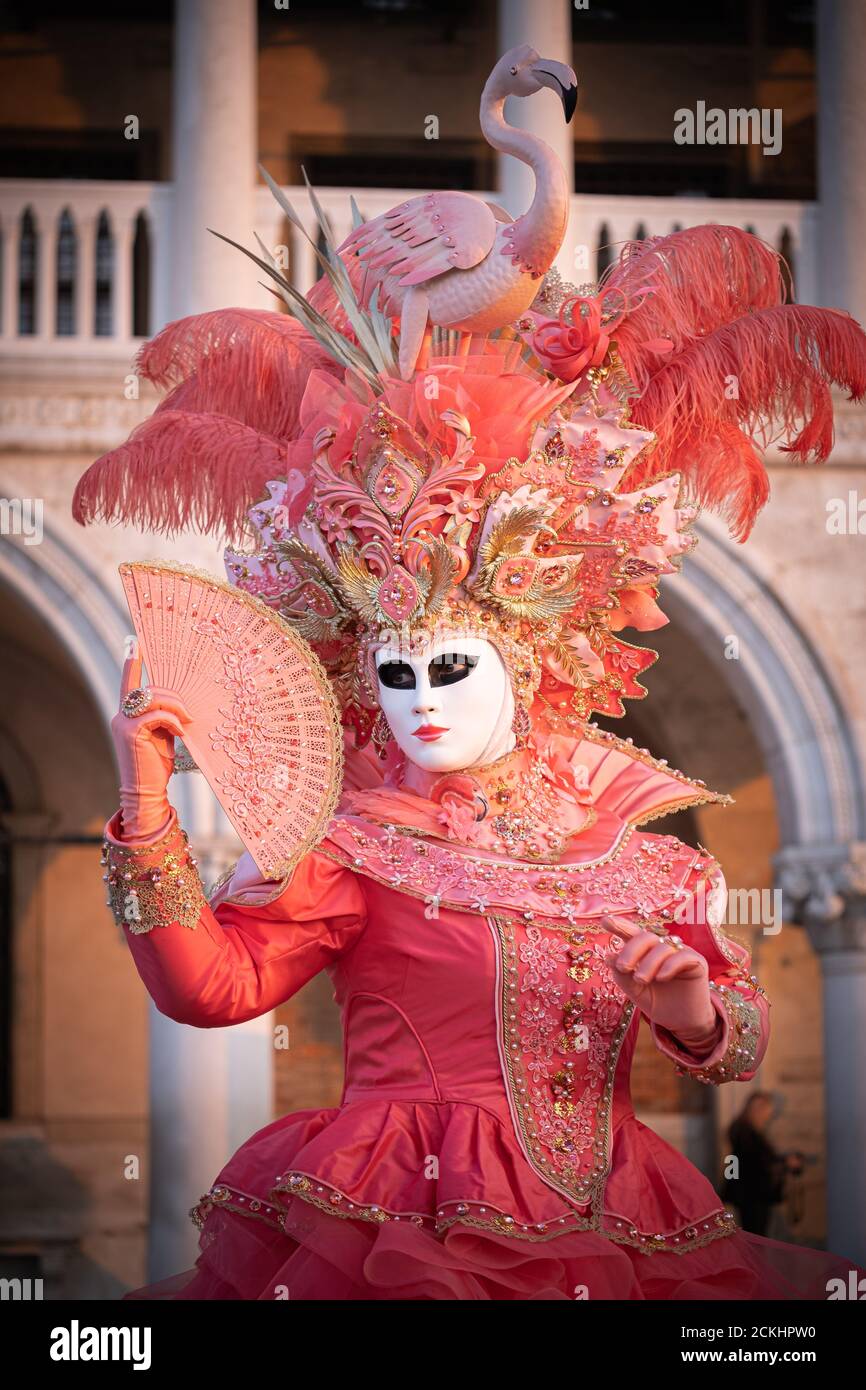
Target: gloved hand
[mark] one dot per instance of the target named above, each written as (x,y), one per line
(145,756)
(669,982)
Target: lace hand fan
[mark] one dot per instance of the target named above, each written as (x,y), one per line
(265,728)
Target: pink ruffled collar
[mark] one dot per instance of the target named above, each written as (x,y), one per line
(528,803)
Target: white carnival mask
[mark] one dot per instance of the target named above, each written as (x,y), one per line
(448,702)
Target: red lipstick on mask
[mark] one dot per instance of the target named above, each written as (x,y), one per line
(428,733)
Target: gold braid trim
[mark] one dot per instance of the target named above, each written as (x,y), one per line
(479,1216)
(744,1019)
(153,885)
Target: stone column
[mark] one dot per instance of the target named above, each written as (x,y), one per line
(214,147)
(546,26)
(842,154)
(825,888)
(200,1078)
(831,881)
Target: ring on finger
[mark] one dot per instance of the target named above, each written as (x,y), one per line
(136,702)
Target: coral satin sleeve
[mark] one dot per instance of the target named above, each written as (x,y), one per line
(241,961)
(742,1009)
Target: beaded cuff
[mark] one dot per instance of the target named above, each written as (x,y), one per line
(744,1036)
(153,885)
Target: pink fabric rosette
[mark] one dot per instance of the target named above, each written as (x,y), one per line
(575,341)
(579,338)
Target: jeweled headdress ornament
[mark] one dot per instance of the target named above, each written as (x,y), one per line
(477,497)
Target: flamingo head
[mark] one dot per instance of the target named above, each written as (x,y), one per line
(521,71)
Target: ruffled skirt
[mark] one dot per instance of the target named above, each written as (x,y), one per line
(344,1205)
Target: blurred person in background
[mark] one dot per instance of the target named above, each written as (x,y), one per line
(763,1174)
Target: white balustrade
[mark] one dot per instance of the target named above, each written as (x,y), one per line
(123,203)
(594,218)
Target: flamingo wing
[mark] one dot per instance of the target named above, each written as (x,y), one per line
(500,213)
(422,238)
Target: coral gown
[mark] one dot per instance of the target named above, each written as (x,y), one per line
(485,1146)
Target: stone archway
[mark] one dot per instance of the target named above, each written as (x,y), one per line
(209,1089)
(55,582)
(812,757)
(76,1063)
(799,720)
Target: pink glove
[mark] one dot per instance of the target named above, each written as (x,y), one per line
(669,982)
(145,757)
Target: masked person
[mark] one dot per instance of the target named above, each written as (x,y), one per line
(462,547)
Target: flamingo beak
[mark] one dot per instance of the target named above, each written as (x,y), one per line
(560,79)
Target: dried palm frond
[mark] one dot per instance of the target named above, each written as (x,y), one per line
(375,343)
(334,342)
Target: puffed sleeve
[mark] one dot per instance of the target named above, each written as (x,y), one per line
(212,966)
(741,1006)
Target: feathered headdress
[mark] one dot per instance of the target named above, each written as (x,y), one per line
(534,485)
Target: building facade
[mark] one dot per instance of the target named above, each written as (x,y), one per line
(114,1119)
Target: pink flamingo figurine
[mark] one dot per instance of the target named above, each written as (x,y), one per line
(453,259)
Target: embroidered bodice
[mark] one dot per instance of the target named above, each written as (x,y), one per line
(482,1022)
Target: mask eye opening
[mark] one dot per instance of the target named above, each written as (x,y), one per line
(396,675)
(449,667)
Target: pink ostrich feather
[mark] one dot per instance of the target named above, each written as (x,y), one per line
(765,377)
(179,469)
(256,341)
(236,378)
(674,289)
(249,364)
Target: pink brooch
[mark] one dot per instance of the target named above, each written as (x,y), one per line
(462,805)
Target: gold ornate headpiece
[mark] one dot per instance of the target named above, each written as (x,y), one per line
(471,500)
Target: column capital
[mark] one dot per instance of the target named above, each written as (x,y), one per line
(824,888)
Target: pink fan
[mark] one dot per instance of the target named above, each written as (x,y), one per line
(265,728)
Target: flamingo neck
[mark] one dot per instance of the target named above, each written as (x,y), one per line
(538,234)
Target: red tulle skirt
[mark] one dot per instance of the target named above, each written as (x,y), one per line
(322,1257)
(301,1251)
